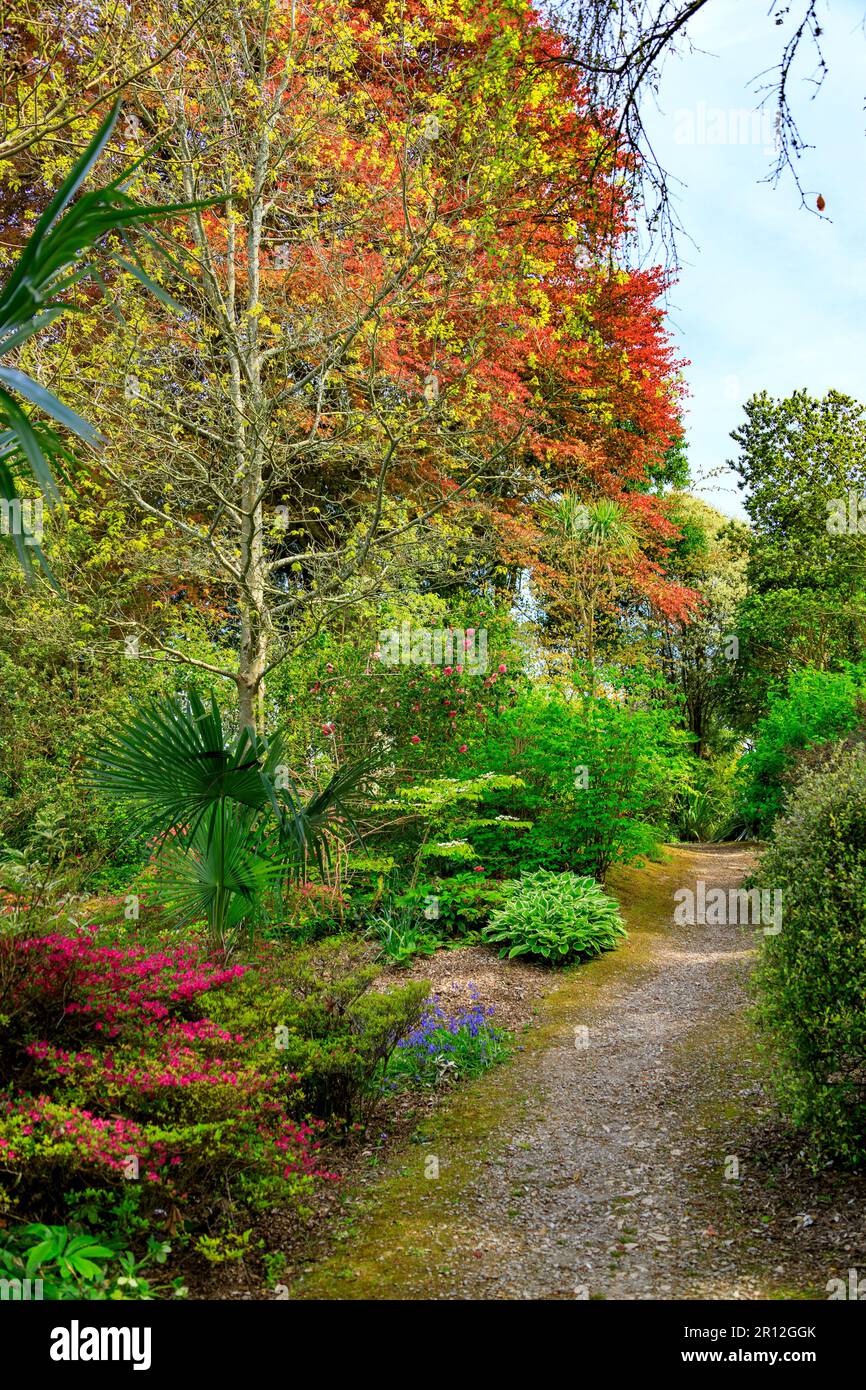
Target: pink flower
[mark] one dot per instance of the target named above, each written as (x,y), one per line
(464,748)
(502,669)
(478,869)
(416,738)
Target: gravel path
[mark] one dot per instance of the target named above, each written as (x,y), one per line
(593,1192)
(628,1153)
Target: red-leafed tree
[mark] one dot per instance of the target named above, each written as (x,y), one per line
(405,329)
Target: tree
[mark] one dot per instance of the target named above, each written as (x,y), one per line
(698,655)
(378,375)
(802,467)
(594,546)
(277,382)
(61,71)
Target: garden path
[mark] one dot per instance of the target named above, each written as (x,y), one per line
(602,1162)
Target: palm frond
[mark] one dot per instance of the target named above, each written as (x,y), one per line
(48,266)
(230,819)
(302,824)
(219,873)
(171,764)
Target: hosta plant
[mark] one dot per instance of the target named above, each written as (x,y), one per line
(556,917)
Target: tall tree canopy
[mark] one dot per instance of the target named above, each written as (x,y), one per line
(802,467)
(406,325)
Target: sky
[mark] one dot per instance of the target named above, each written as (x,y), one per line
(770,296)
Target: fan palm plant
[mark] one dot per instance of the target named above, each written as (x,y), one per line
(229,820)
(51,262)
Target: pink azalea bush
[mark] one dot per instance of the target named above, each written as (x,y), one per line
(112,1070)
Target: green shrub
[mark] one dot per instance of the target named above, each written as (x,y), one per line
(557,917)
(460,905)
(69,1264)
(707,806)
(596,774)
(329,1028)
(817,707)
(304,912)
(811,980)
(439,820)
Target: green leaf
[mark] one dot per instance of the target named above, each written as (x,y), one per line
(48,266)
(44,1251)
(228,831)
(48,403)
(31,445)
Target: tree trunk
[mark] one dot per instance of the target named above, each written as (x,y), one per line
(253,654)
